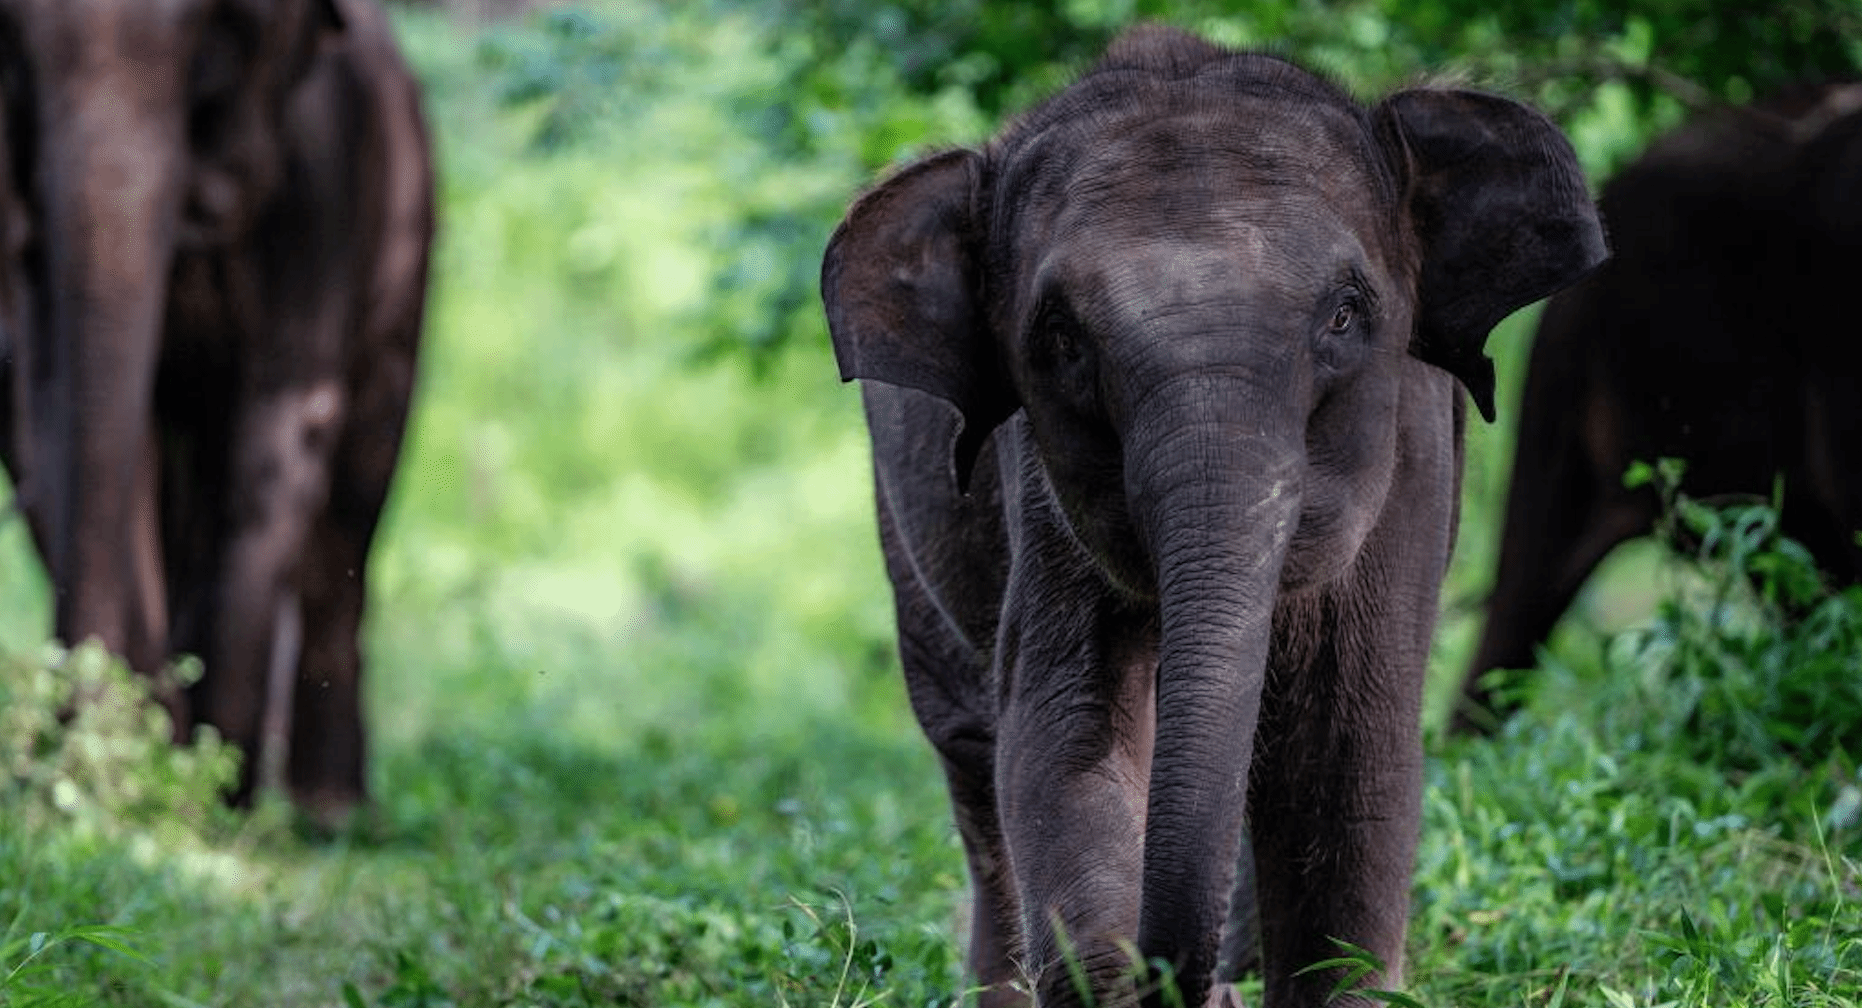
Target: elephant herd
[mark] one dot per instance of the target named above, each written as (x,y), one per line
(1166,384)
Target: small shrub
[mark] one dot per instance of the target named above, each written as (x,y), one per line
(83,743)
(1764,659)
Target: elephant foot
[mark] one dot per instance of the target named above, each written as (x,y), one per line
(327,813)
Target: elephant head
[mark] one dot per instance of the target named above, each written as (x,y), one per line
(137,132)
(1220,292)
(1085,270)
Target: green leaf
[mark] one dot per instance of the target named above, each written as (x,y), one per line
(1358,962)
(1638,474)
(1394,997)
(107,936)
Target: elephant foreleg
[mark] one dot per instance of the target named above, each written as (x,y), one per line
(964,738)
(949,685)
(1827,510)
(1335,793)
(1241,934)
(1073,778)
(1564,513)
(1542,566)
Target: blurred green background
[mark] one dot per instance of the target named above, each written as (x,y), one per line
(639,732)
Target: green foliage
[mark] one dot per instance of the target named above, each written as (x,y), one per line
(1639,63)
(578,499)
(22,958)
(1353,964)
(83,745)
(1814,961)
(1763,661)
(1728,49)
(600,78)
(1725,728)
(998,52)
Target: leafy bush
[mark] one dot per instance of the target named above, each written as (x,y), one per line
(1760,660)
(1677,825)
(82,744)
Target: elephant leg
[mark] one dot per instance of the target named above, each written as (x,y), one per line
(127,610)
(1336,791)
(1534,592)
(327,765)
(960,729)
(147,646)
(1563,515)
(1827,513)
(949,686)
(279,484)
(1073,777)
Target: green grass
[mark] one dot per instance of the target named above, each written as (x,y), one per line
(639,735)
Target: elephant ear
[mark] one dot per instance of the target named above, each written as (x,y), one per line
(901,284)
(1498,203)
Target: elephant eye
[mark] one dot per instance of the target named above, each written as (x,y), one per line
(1343,317)
(1059,334)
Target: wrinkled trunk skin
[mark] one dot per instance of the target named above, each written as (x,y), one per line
(111,180)
(1227,501)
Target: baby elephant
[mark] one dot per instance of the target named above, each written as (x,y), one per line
(214,224)
(1161,385)
(1716,335)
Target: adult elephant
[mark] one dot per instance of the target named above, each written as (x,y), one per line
(1161,385)
(1715,335)
(216,223)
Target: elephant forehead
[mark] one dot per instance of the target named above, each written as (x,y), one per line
(1141,275)
(1198,200)
(1222,254)
(1196,150)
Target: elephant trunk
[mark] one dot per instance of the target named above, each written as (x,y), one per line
(1219,492)
(111,169)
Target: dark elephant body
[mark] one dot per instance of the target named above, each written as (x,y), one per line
(1708,337)
(217,220)
(1176,552)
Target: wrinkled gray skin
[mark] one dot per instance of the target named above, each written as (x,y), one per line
(1710,338)
(1201,317)
(215,218)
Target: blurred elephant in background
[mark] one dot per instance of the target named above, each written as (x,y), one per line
(1161,386)
(217,216)
(1717,334)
